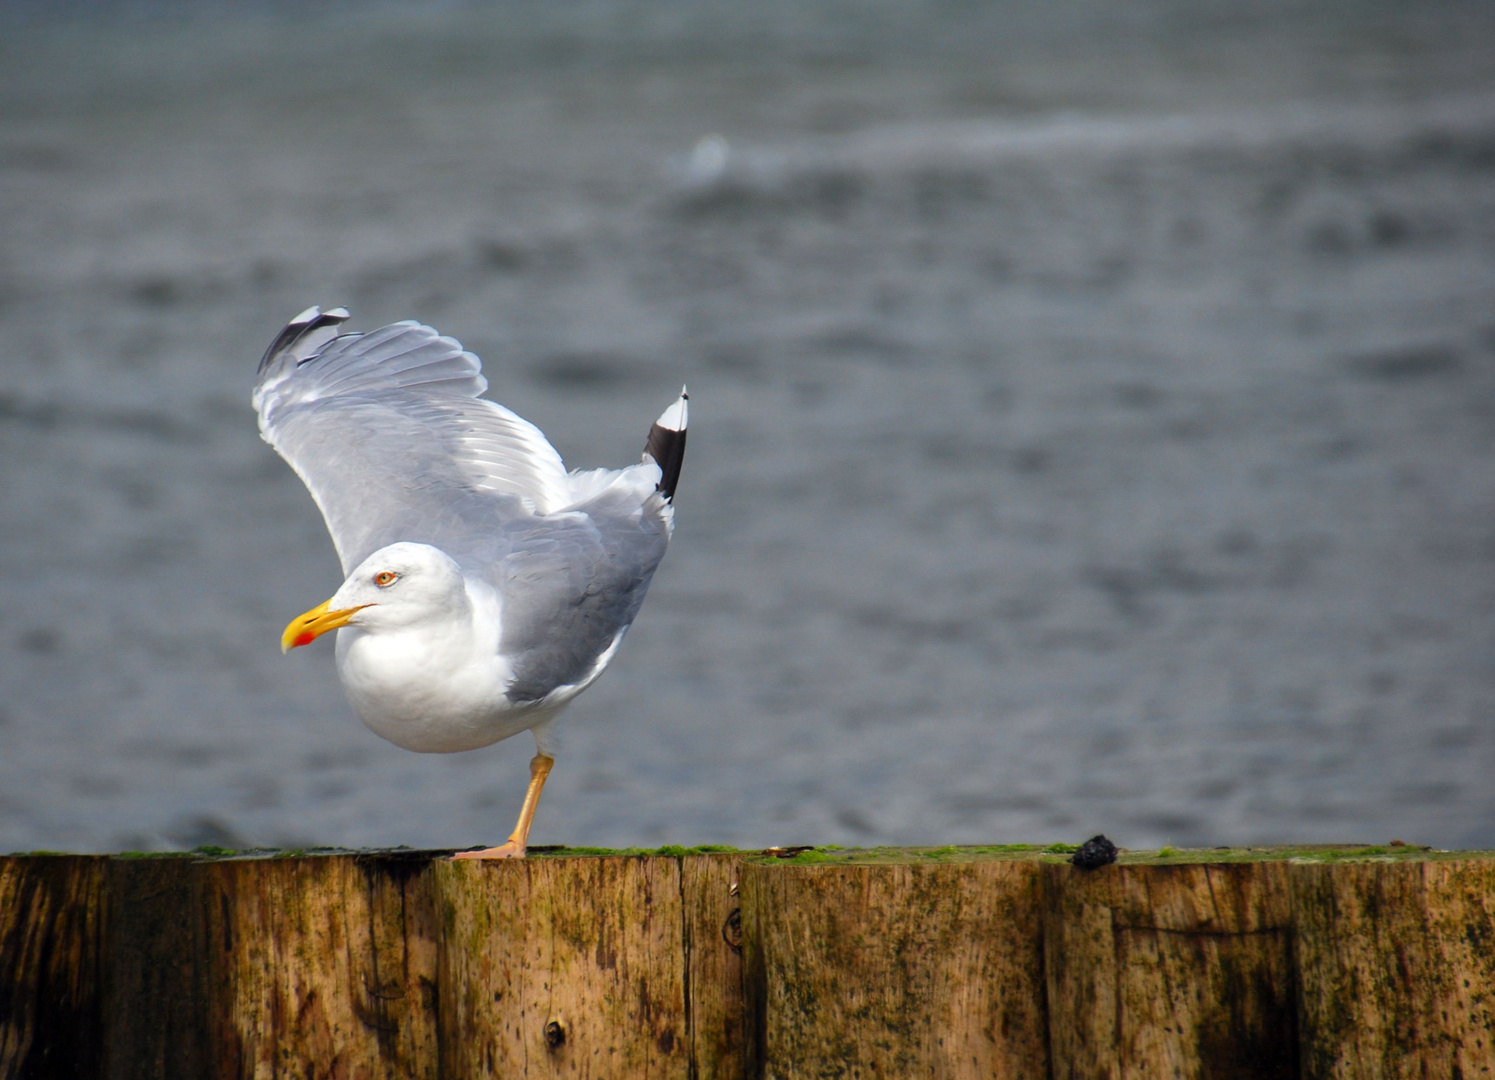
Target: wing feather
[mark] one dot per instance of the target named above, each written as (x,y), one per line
(388,433)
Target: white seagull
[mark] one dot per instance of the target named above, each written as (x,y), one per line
(486,586)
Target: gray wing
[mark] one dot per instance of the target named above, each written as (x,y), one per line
(388,433)
(572,585)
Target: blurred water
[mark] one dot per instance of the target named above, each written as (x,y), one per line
(1093,410)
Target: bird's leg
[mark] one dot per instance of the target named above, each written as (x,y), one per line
(518,842)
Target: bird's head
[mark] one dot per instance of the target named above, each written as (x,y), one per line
(396,587)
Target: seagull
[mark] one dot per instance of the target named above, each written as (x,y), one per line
(485,586)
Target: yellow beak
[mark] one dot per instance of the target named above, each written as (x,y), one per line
(304,629)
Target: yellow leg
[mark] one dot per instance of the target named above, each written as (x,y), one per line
(518,842)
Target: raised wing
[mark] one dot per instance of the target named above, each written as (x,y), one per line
(388,433)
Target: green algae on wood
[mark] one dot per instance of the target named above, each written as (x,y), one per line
(230,966)
(892,856)
(1059,854)
(601,966)
(932,961)
(1162,969)
(1397,964)
(713,946)
(893,968)
(559,851)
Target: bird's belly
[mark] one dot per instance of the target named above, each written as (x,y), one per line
(430,709)
(430,732)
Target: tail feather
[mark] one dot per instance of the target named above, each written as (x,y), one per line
(666,444)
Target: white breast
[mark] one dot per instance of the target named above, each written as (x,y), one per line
(434,689)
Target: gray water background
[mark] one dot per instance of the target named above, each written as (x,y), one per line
(1093,410)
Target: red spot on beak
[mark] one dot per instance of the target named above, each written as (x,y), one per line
(305,639)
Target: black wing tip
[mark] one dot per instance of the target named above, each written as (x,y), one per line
(666,443)
(309,321)
(667,448)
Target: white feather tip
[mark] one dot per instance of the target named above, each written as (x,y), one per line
(677,415)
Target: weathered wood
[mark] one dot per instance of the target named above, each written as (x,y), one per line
(1397,963)
(591,967)
(570,968)
(894,970)
(157,991)
(259,967)
(1341,964)
(1170,971)
(713,937)
(329,960)
(53,922)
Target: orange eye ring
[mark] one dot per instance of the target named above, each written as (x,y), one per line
(385,578)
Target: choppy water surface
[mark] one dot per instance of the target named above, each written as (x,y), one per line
(1093,414)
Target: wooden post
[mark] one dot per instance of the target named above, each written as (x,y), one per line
(251,967)
(911,968)
(1177,971)
(713,938)
(552,969)
(157,993)
(593,967)
(1320,964)
(1397,963)
(52,929)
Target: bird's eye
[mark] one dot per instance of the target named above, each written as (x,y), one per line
(385,578)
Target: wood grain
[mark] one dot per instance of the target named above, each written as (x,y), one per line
(264,967)
(1397,966)
(53,923)
(894,970)
(713,918)
(1340,965)
(157,1005)
(1170,971)
(563,968)
(330,960)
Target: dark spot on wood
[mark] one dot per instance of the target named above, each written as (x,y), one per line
(1253,1033)
(555,1035)
(227,911)
(732,930)
(397,867)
